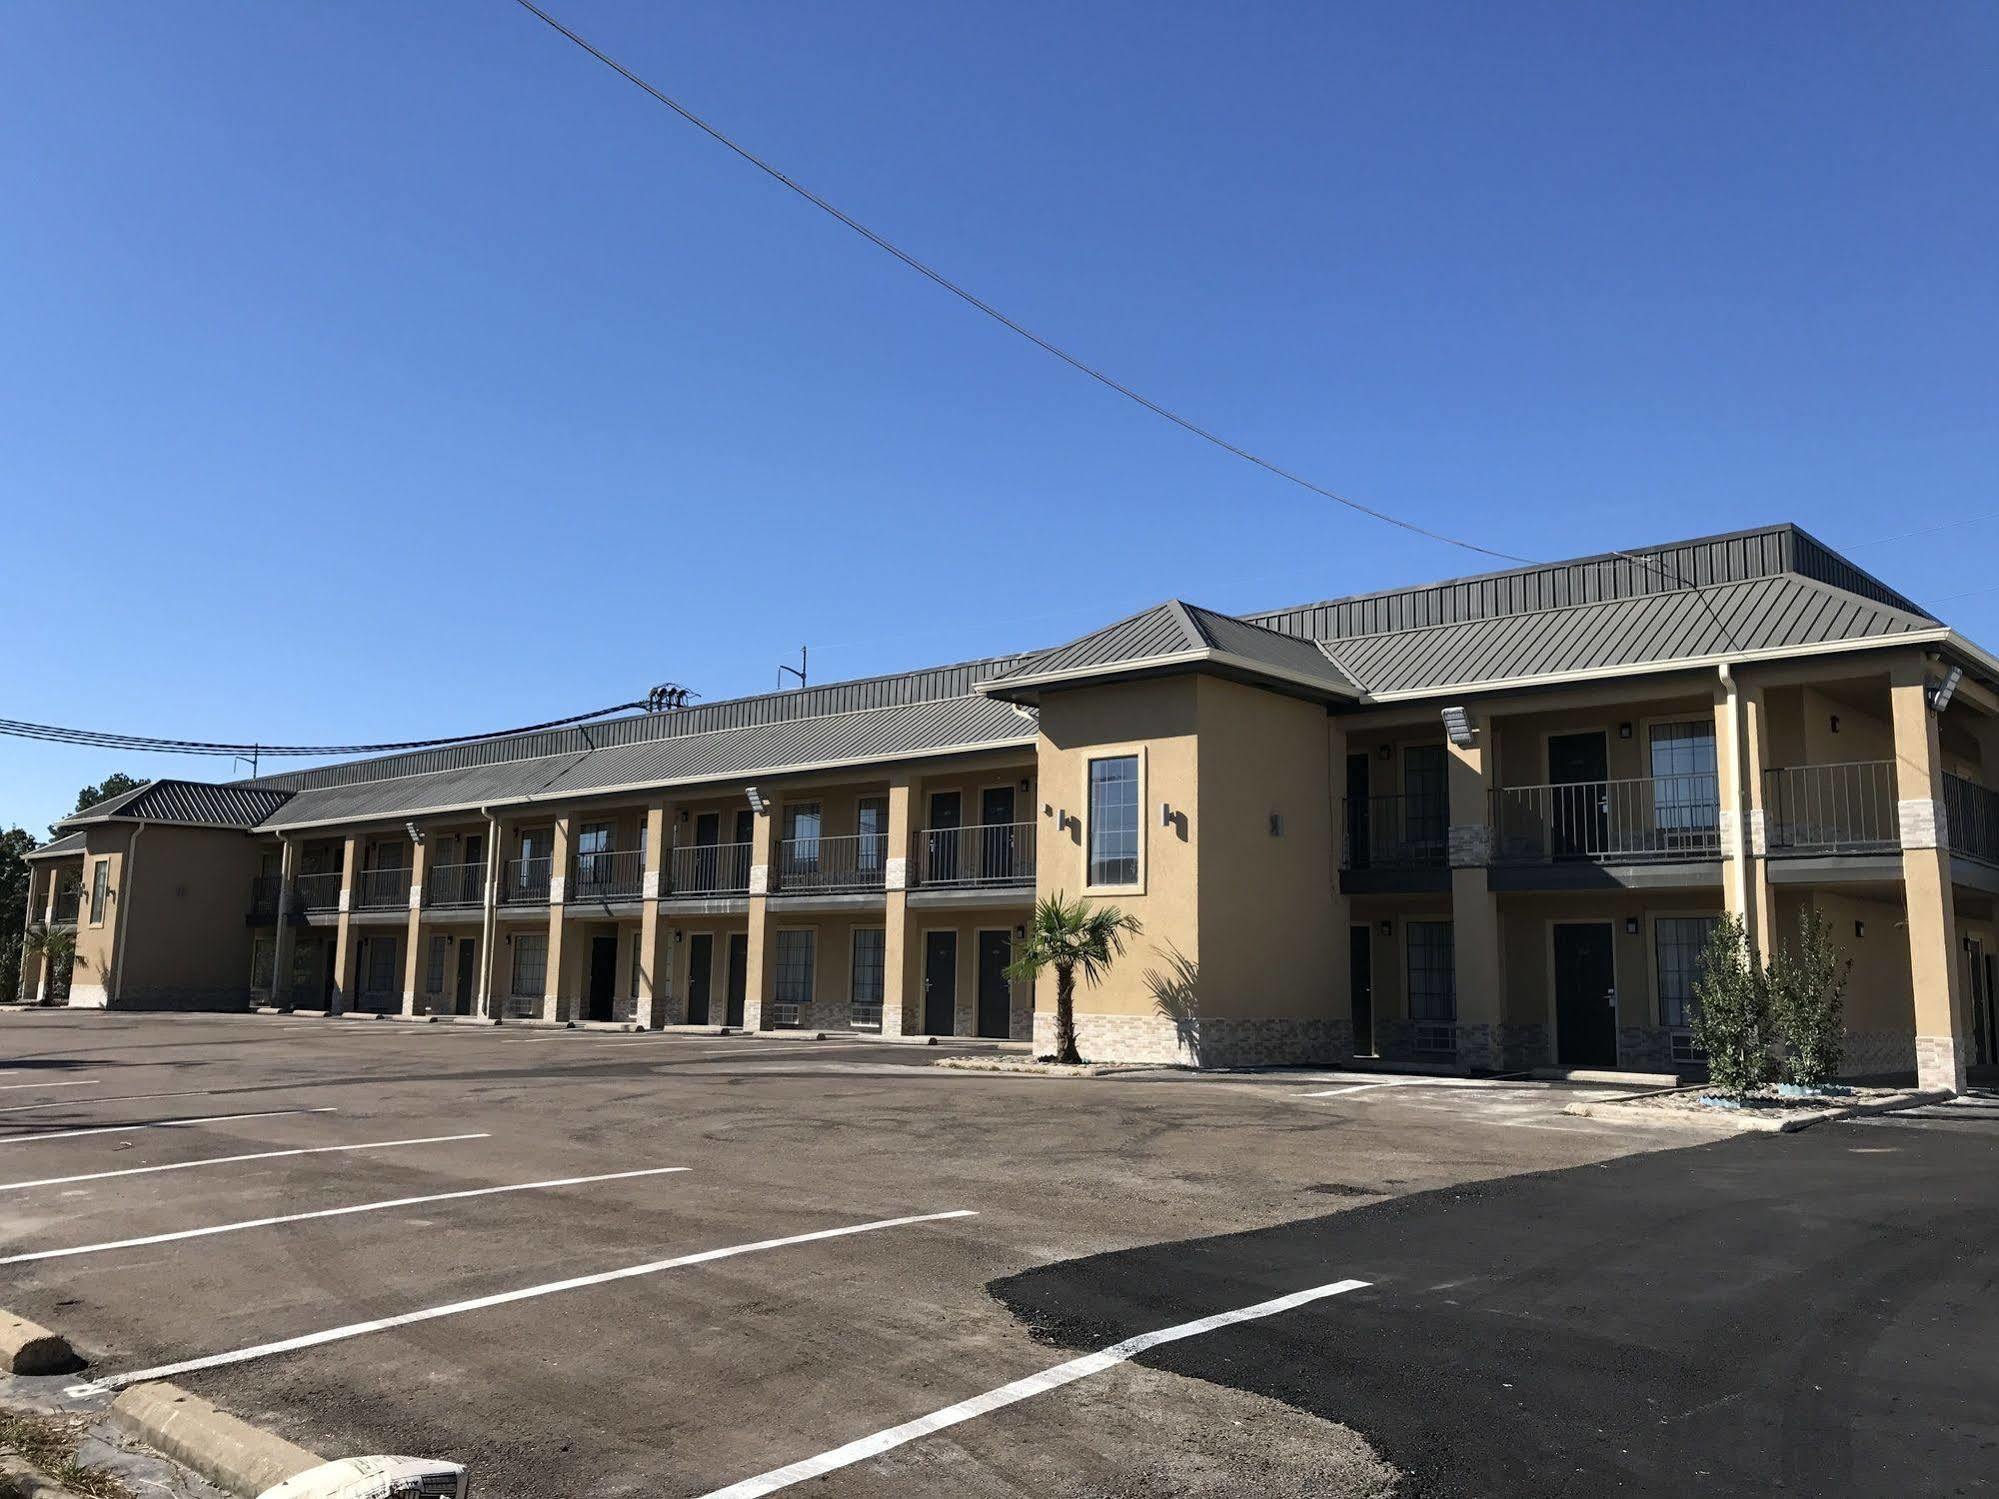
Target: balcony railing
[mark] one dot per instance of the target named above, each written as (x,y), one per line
(318,892)
(1649,818)
(989,854)
(69,900)
(855,862)
(382,890)
(524,882)
(1832,809)
(710,869)
(1971,813)
(455,885)
(264,892)
(608,876)
(1396,832)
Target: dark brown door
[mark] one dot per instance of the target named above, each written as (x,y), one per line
(940,866)
(995,993)
(1585,995)
(468,976)
(995,850)
(739,976)
(1359,839)
(700,973)
(940,982)
(1578,767)
(603,977)
(1360,980)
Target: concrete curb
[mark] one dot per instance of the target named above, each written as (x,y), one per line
(226,1451)
(1008,1068)
(29,1348)
(1757,1124)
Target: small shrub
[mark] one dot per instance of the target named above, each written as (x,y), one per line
(1731,1020)
(1807,983)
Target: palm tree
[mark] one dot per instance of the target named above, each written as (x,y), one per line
(57,946)
(1068,935)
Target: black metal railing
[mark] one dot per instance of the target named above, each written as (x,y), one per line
(987,854)
(317,892)
(1396,832)
(618,875)
(524,882)
(455,884)
(1971,813)
(1832,809)
(709,869)
(1642,819)
(853,862)
(382,890)
(265,891)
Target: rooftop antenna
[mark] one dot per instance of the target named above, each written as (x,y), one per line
(797,671)
(236,760)
(668,697)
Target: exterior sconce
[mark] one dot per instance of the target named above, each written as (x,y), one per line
(1457,725)
(1019,932)
(1387,929)
(1386,752)
(678,934)
(1277,824)
(1860,929)
(1166,814)
(1631,926)
(757,804)
(683,814)
(1835,723)
(1624,731)
(1940,696)
(1023,783)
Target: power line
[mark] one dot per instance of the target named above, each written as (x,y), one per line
(1949,525)
(1045,345)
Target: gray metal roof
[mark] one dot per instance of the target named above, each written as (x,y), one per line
(1762,614)
(198,803)
(69,845)
(874,735)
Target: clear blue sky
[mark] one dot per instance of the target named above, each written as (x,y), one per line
(376,370)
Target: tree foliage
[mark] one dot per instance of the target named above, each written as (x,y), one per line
(115,784)
(1731,1019)
(1807,984)
(15,877)
(1070,936)
(56,946)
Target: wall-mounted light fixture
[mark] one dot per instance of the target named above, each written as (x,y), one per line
(415,832)
(1019,932)
(1386,752)
(1835,723)
(677,935)
(1457,724)
(1387,928)
(1277,824)
(683,814)
(1631,926)
(1024,783)
(1166,814)
(1624,730)
(1860,929)
(757,803)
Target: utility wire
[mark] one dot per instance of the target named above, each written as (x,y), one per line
(1045,345)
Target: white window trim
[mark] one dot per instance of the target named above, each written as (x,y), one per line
(1116,752)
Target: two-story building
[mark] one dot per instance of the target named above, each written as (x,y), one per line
(1487,823)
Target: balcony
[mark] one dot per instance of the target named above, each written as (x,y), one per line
(382,890)
(709,869)
(988,856)
(1396,832)
(524,882)
(68,902)
(455,886)
(832,866)
(608,876)
(1648,819)
(265,890)
(319,892)
(1832,809)
(1972,815)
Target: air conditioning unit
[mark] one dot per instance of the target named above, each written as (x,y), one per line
(377,1478)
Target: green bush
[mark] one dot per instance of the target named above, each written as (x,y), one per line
(1807,983)
(1731,1019)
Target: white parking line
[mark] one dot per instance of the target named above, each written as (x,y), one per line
(230,1160)
(1400,1082)
(479,1303)
(67,1083)
(364,1207)
(50,1103)
(1011,1394)
(118,1129)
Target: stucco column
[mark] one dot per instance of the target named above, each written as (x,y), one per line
(655,1002)
(414,961)
(1932,919)
(1741,745)
(1339,1000)
(553,1002)
(899,1000)
(1478,973)
(344,956)
(757,974)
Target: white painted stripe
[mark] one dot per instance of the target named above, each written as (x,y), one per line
(51,1103)
(231,1160)
(126,1129)
(365,1207)
(480,1303)
(1011,1394)
(68,1083)
(1360,1088)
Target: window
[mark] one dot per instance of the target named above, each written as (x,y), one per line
(1686,794)
(530,966)
(263,963)
(100,890)
(1679,942)
(380,970)
(792,992)
(594,839)
(871,822)
(1433,991)
(1426,796)
(433,974)
(870,949)
(638,951)
(1114,821)
(800,854)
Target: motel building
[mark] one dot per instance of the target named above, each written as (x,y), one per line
(1485,823)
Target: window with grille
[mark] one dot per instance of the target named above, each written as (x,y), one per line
(263,963)
(870,949)
(1685,788)
(791,992)
(100,890)
(1679,942)
(1432,984)
(530,966)
(1114,821)
(380,971)
(872,824)
(433,973)
(1426,796)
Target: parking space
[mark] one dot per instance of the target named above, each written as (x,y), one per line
(689,1262)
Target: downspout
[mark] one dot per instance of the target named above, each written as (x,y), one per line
(1740,834)
(489,921)
(118,926)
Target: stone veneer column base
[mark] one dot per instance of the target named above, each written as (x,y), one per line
(1220,1042)
(1940,1062)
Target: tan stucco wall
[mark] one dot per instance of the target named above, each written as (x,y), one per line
(97,929)
(1530,985)
(1879,994)
(185,937)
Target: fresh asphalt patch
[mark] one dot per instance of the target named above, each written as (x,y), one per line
(1801,1314)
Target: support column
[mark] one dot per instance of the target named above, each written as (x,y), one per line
(1741,742)
(344,956)
(1478,973)
(900,1016)
(1933,952)
(656,1005)
(553,1003)
(414,960)
(763,859)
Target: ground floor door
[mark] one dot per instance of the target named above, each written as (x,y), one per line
(995,992)
(739,976)
(1585,995)
(1977,989)
(326,979)
(603,978)
(700,972)
(1360,985)
(940,982)
(468,976)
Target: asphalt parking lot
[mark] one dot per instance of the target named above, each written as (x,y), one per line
(673,1265)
